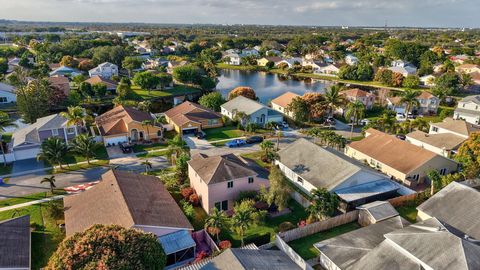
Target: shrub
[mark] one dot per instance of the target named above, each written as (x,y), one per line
(258,239)
(194,199)
(248,194)
(225,244)
(285,226)
(187,192)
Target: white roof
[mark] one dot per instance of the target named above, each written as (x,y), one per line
(243,104)
(7,88)
(29,134)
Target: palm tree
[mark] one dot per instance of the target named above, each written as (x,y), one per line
(387,121)
(279,135)
(435,179)
(147,164)
(409,97)
(215,222)
(355,111)
(175,146)
(53,150)
(51,181)
(146,124)
(85,145)
(243,217)
(75,116)
(267,147)
(333,99)
(5,121)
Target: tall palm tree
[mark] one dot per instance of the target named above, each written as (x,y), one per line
(5,121)
(409,97)
(75,116)
(146,124)
(51,181)
(215,222)
(333,99)
(175,147)
(85,145)
(53,150)
(279,135)
(387,121)
(355,111)
(242,218)
(147,164)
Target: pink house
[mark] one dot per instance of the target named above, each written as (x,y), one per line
(218,180)
(352,95)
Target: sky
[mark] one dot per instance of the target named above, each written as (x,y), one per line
(419,13)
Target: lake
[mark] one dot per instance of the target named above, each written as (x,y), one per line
(267,86)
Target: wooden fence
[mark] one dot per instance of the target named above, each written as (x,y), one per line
(319,226)
(399,201)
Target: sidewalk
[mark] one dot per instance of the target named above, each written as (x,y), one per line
(20,205)
(44,169)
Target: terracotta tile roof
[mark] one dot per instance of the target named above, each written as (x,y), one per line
(425,95)
(400,155)
(394,100)
(285,99)
(116,120)
(457,126)
(97,79)
(189,111)
(217,169)
(355,92)
(125,199)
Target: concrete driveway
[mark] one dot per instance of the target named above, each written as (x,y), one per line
(134,164)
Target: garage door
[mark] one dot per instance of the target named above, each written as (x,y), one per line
(26,154)
(189,130)
(115,140)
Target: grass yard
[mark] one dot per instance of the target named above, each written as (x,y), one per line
(100,154)
(257,157)
(153,154)
(269,227)
(5,169)
(222,133)
(304,246)
(148,147)
(76,167)
(7,137)
(31,197)
(46,234)
(408,212)
(177,90)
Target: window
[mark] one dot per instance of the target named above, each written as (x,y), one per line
(71,130)
(443,171)
(416,177)
(55,132)
(435,129)
(223,205)
(230,184)
(212,121)
(300,180)
(250,179)
(3,100)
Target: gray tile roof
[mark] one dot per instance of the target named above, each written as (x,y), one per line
(474,99)
(324,167)
(346,249)
(457,205)
(248,259)
(243,104)
(379,210)
(29,134)
(15,243)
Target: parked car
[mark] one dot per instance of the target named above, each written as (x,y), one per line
(401,137)
(284,125)
(254,139)
(235,143)
(365,122)
(201,135)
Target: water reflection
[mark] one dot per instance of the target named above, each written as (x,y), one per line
(268,86)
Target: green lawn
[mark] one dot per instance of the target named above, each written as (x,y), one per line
(257,157)
(83,166)
(227,66)
(304,246)
(270,226)
(145,148)
(100,153)
(408,212)
(153,154)
(46,234)
(29,198)
(7,137)
(222,133)
(177,90)
(5,169)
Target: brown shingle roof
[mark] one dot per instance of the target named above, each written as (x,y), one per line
(285,99)
(189,111)
(125,199)
(58,80)
(218,169)
(393,152)
(425,95)
(116,120)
